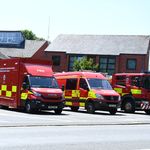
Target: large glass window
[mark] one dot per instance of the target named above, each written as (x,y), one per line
(107,64)
(56,60)
(11,39)
(71,61)
(78,57)
(131,64)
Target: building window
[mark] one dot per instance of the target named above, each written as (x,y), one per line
(107,64)
(131,64)
(79,57)
(12,39)
(72,59)
(56,60)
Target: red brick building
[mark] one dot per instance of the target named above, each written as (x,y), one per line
(113,53)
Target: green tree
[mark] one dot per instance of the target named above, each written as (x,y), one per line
(85,64)
(29,35)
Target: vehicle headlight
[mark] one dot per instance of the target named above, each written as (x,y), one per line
(119,98)
(36,93)
(98,96)
(63,96)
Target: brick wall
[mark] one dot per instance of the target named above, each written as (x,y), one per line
(142,63)
(121,61)
(63,61)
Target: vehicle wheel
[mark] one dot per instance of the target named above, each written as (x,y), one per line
(74,108)
(28,107)
(90,108)
(58,111)
(129,106)
(113,111)
(147,112)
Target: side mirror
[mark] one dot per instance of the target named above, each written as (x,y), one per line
(24,86)
(63,87)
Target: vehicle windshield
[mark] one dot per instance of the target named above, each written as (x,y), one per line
(99,84)
(43,82)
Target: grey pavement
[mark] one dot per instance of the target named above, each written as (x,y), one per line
(11,118)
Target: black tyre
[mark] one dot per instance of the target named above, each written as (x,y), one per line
(113,111)
(28,107)
(129,106)
(58,111)
(147,112)
(74,108)
(90,108)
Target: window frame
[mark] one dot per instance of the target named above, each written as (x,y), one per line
(121,80)
(71,87)
(57,61)
(127,63)
(107,63)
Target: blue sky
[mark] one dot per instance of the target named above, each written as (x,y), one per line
(123,17)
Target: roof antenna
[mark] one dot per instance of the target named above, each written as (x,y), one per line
(48,37)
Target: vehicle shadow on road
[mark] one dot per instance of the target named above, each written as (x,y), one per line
(105,113)
(43,112)
(136,113)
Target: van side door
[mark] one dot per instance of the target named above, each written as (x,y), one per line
(71,90)
(84,89)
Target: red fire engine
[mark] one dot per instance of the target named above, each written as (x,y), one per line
(134,89)
(29,84)
(89,90)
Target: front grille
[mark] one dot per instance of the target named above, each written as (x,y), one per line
(51,98)
(111,98)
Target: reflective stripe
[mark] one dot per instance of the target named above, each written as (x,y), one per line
(75,93)
(118,90)
(136,91)
(7,90)
(123,94)
(4,88)
(8,93)
(91,94)
(84,98)
(82,104)
(14,88)
(24,96)
(69,97)
(68,103)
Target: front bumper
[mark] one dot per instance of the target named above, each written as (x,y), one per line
(37,104)
(102,105)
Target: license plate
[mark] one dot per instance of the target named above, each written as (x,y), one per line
(112,105)
(52,107)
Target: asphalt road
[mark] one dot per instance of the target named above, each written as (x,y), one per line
(74,131)
(114,137)
(67,118)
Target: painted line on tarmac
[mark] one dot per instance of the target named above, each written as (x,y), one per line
(67,125)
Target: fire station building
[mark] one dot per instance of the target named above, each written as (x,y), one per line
(113,53)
